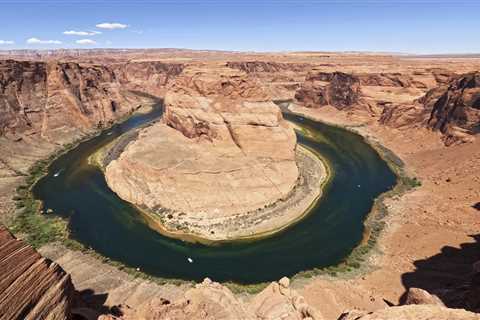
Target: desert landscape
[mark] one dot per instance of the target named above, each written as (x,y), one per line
(238,160)
(423,110)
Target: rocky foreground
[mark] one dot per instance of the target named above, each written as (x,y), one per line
(35,288)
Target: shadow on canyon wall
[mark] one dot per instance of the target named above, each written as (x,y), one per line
(450,275)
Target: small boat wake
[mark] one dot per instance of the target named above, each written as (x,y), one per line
(56,174)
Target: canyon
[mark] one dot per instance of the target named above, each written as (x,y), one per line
(426,110)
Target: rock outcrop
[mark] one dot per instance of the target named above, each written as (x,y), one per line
(420,296)
(223,149)
(150,77)
(452,109)
(211,300)
(337,89)
(390,80)
(31,287)
(455,111)
(267,66)
(412,312)
(59,100)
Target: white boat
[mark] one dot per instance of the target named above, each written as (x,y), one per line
(190,260)
(110,133)
(57,173)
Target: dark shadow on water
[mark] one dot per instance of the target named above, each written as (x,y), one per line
(449,275)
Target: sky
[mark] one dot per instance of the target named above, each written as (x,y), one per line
(284,25)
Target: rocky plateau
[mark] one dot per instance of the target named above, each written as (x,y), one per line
(218,113)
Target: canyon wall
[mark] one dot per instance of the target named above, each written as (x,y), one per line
(438,100)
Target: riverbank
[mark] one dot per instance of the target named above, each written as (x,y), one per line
(436,216)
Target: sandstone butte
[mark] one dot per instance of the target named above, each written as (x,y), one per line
(222,153)
(425,110)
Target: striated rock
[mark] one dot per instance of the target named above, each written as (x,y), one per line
(342,90)
(223,149)
(31,287)
(412,312)
(455,110)
(278,301)
(211,300)
(266,66)
(59,101)
(420,296)
(151,77)
(390,80)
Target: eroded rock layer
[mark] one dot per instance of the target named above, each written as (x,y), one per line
(337,89)
(453,109)
(211,300)
(31,287)
(223,149)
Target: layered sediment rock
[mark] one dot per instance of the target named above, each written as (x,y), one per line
(452,109)
(211,300)
(455,111)
(412,312)
(223,149)
(337,89)
(390,80)
(61,97)
(31,287)
(150,77)
(44,105)
(59,100)
(267,66)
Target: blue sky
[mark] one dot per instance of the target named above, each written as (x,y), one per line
(392,26)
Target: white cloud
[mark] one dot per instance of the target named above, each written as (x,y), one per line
(111,25)
(38,41)
(81,33)
(86,41)
(6,42)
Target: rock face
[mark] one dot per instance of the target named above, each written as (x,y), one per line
(412,312)
(457,108)
(223,149)
(147,76)
(266,66)
(337,89)
(67,97)
(452,109)
(31,287)
(390,80)
(211,300)
(53,98)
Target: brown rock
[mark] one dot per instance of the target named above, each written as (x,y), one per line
(412,312)
(455,108)
(266,66)
(211,300)
(342,90)
(31,287)
(420,296)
